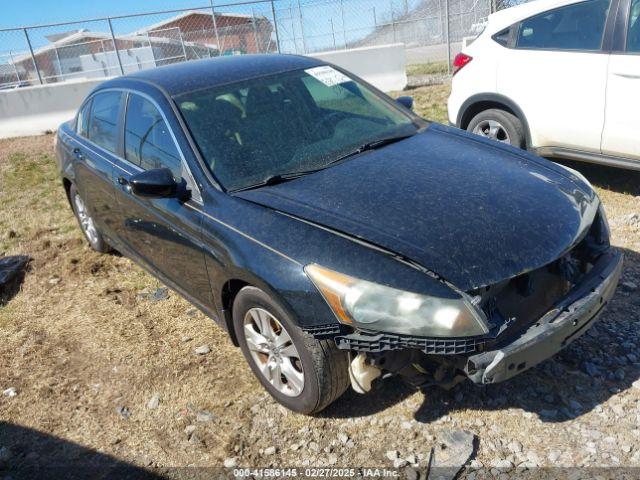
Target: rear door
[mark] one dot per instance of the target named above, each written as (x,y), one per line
(622,121)
(163,232)
(556,71)
(95,153)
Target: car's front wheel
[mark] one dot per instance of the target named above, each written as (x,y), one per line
(87,225)
(301,372)
(498,125)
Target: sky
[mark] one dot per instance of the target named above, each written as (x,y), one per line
(18,13)
(322,18)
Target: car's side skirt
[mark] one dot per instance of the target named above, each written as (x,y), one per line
(120,247)
(570,154)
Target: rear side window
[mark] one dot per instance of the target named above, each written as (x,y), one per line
(633,33)
(82,123)
(103,124)
(575,27)
(148,142)
(502,37)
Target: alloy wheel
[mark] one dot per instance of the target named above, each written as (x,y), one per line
(86,222)
(273,351)
(493,130)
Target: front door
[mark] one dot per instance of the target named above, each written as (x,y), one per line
(95,152)
(622,123)
(163,232)
(557,73)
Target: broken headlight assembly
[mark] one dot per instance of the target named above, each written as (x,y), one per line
(370,306)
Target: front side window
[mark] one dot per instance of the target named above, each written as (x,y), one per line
(575,27)
(633,32)
(283,124)
(103,124)
(147,140)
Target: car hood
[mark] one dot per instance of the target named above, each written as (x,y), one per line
(468,209)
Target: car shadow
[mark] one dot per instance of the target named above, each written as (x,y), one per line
(26,454)
(384,394)
(597,366)
(616,179)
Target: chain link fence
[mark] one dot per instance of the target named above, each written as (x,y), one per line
(432,31)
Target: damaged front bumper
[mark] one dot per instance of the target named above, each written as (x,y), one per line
(492,358)
(555,330)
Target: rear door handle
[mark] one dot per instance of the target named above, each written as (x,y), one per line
(78,153)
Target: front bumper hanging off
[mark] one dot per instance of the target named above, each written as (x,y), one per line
(495,359)
(555,330)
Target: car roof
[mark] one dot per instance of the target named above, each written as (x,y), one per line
(185,77)
(507,17)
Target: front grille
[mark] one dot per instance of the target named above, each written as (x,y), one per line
(384,342)
(323,331)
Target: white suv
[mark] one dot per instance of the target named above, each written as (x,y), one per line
(559,77)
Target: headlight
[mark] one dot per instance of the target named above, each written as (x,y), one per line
(375,307)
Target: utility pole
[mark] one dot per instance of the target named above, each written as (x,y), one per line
(115,46)
(275,26)
(33,57)
(215,28)
(304,40)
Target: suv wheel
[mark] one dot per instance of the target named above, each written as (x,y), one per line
(498,125)
(302,373)
(87,225)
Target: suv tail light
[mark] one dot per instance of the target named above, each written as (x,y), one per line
(460,61)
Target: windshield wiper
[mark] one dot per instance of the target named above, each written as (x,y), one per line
(276,179)
(285,177)
(373,145)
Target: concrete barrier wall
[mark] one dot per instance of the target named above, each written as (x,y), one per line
(36,110)
(383,66)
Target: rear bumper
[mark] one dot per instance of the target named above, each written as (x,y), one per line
(555,330)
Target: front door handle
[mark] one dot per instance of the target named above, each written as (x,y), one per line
(124,183)
(634,76)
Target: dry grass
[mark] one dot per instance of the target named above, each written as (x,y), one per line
(430,102)
(430,68)
(78,340)
(78,337)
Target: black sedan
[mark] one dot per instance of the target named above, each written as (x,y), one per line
(333,233)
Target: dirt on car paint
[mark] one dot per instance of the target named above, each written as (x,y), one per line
(95,356)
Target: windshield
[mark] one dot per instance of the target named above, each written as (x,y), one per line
(297,121)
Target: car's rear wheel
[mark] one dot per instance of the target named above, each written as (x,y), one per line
(498,125)
(87,225)
(301,372)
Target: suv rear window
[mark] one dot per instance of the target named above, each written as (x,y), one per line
(575,27)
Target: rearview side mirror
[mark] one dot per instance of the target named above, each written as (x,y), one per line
(405,101)
(156,183)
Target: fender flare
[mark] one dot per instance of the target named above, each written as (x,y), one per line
(494,98)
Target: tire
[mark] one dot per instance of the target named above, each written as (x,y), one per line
(324,368)
(87,226)
(508,127)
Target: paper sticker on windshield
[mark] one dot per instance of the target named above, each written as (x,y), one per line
(327,75)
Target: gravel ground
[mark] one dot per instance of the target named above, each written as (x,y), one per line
(101,365)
